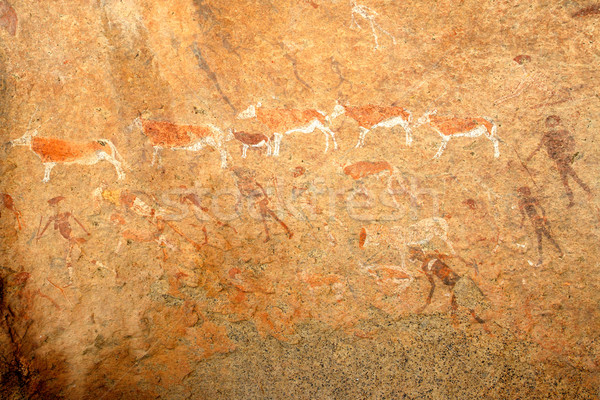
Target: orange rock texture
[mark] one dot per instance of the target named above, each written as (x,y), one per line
(328,199)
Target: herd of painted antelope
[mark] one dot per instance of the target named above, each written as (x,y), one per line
(279,122)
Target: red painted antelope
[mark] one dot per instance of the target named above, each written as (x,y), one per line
(284,121)
(449,127)
(370,117)
(167,135)
(363,169)
(54,151)
(250,140)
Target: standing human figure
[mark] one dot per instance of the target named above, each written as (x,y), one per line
(560,146)
(529,206)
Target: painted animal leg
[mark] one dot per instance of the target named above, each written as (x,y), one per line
(395,121)
(374,34)
(223,153)
(156,156)
(496,146)
(445,140)
(278,137)
(48,167)
(268,148)
(117,164)
(216,144)
(361,137)
(244,150)
(408,132)
(329,132)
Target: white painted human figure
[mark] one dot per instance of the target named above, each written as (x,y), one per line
(284,121)
(449,127)
(370,16)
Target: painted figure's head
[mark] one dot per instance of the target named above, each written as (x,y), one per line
(415,253)
(524,190)
(522,59)
(24,140)
(552,121)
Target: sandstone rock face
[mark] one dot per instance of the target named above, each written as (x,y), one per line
(299,199)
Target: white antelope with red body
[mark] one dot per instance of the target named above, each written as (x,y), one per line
(284,121)
(450,127)
(54,151)
(370,117)
(250,140)
(167,135)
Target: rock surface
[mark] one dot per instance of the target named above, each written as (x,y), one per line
(299,199)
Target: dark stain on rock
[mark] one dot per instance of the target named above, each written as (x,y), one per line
(203,64)
(586,11)
(135,75)
(8,17)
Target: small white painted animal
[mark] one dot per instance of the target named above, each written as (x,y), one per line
(418,234)
(449,127)
(163,134)
(285,121)
(370,117)
(250,140)
(54,151)
(400,278)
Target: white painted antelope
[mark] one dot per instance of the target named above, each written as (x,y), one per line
(54,151)
(381,169)
(250,140)
(418,234)
(370,117)
(285,121)
(449,127)
(167,135)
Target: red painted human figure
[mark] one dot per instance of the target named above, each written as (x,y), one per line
(62,223)
(529,206)
(250,188)
(560,146)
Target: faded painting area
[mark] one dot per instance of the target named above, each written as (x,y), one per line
(312,199)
